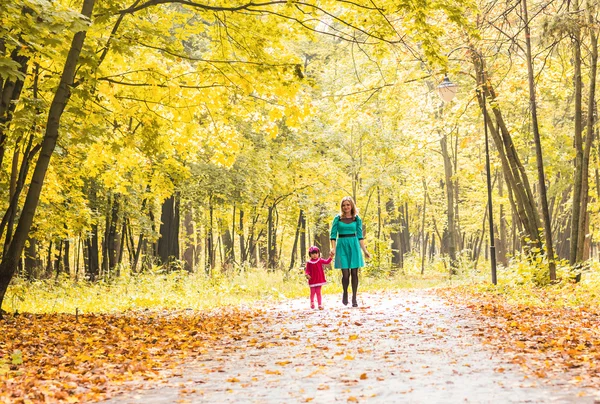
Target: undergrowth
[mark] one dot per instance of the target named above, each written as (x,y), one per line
(183,290)
(528,282)
(521,282)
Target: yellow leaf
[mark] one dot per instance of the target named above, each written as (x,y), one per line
(275,114)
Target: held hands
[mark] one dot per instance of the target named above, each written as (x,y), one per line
(331,254)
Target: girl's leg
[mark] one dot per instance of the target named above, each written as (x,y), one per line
(318,291)
(354,273)
(312,297)
(345,283)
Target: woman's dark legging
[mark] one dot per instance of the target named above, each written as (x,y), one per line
(346,281)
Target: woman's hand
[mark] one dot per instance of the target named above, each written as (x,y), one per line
(367,255)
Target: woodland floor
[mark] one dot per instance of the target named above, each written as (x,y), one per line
(406,346)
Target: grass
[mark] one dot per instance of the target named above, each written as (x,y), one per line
(527,283)
(517,283)
(182,290)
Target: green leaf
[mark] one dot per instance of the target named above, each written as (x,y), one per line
(17,357)
(9,69)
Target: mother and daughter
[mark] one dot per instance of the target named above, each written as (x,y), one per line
(347,246)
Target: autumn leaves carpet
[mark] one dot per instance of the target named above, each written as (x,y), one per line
(397,347)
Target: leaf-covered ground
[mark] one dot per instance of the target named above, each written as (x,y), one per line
(68,358)
(544,336)
(406,346)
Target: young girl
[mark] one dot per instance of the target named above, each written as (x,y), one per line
(315,274)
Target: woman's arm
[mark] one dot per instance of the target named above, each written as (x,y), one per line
(363,247)
(359,228)
(334,232)
(359,235)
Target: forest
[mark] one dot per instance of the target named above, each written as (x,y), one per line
(204,140)
(214,137)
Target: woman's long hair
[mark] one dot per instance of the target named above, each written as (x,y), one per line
(353,211)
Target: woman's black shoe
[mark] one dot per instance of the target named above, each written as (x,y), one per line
(354,303)
(345,298)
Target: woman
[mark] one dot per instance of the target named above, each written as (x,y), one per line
(347,242)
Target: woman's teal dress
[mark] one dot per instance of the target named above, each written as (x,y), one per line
(347,249)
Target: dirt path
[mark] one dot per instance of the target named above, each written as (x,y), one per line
(398,347)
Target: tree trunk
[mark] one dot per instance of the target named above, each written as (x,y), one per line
(93,264)
(17,187)
(432,249)
(78,249)
(111,236)
(189,243)
(121,248)
(228,252)
(272,237)
(10,92)
(168,243)
(296,240)
(406,230)
(141,244)
(577,138)
(66,262)
(479,241)
(514,172)
(502,237)
(58,262)
(130,240)
(423,236)
(423,253)
(451,240)
(49,261)
(395,235)
(379,226)
(583,222)
(404,245)
(243,251)
(9,263)
(252,252)
(209,251)
(321,233)
(538,151)
(324,246)
(33,262)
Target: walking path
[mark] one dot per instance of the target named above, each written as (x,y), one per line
(399,347)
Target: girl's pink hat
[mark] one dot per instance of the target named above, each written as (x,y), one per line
(313,249)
